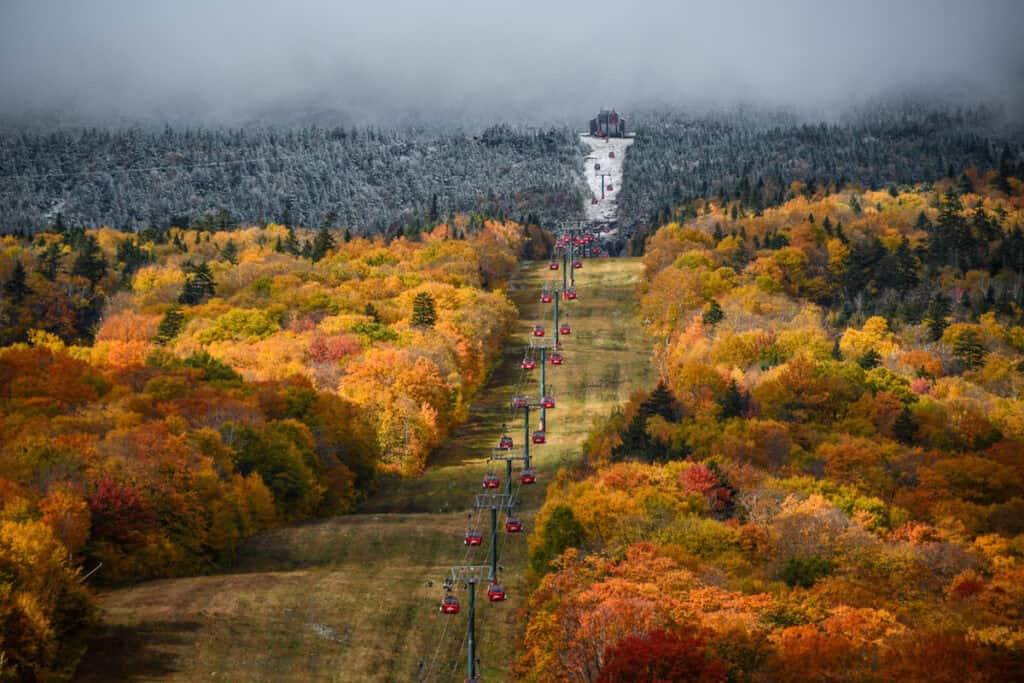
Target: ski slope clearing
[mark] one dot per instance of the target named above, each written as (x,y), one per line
(609,156)
(348,599)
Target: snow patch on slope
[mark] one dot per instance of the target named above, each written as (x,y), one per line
(607,209)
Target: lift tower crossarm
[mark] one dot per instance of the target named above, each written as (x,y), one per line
(494,502)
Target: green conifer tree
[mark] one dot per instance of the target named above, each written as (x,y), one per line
(423,311)
(16,287)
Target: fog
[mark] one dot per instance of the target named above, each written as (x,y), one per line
(231,62)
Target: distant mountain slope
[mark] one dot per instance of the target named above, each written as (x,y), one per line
(754,157)
(364,179)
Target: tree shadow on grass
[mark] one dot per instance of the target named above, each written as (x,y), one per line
(124,653)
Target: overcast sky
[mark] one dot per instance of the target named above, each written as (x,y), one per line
(232,61)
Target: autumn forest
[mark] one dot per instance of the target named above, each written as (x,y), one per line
(824,481)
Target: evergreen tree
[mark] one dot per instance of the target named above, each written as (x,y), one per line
(434,213)
(423,312)
(90,262)
(713,314)
(16,286)
(230,252)
(58,224)
(734,403)
(938,310)
(322,243)
(871,359)
(660,402)
(348,235)
(291,242)
(905,428)
(199,284)
(906,267)
(837,354)
(968,349)
(170,325)
(49,261)
(371,311)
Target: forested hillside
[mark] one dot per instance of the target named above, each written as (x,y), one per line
(754,156)
(828,482)
(164,396)
(367,179)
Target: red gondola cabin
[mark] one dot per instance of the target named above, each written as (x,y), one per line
(491,481)
(513,526)
(611,154)
(528,476)
(553,265)
(450,605)
(473,537)
(538,437)
(546,298)
(519,401)
(505,443)
(495,593)
(577,264)
(570,293)
(538,330)
(556,359)
(564,330)
(528,364)
(593,201)
(548,402)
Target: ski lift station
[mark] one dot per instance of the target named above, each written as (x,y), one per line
(608,124)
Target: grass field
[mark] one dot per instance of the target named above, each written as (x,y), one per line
(347,599)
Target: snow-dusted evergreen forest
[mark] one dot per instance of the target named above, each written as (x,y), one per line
(373,179)
(365,179)
(754,157)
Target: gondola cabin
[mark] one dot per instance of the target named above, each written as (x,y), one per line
(548,402)
(546,298)
(556,359)
(570,293)
(593,201)
(450,605)
(538,330)
(495,593)
(491,481)
(474,537)
(564,330)
(610,188)
(513,525)
(553,265)
(577,264)
(538,437)
(505,443)
(519,401)
(528,363)
(528,476)
(597,167)
(611,154)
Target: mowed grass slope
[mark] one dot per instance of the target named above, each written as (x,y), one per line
(347,599)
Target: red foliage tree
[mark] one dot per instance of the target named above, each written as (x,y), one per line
(660,657)
(118,511)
